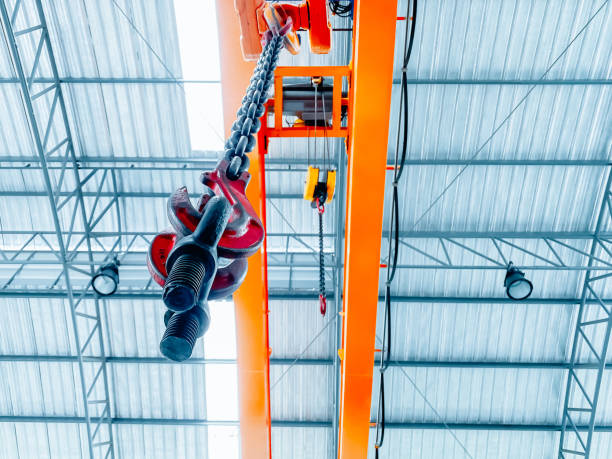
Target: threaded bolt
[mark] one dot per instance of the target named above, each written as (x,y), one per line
(183,285)
(167,316)
(180,336)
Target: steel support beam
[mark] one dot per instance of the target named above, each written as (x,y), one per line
(412,81)
(487,427)
(125,194)
(404,234)
(251,300)
(477,364)
(117,81)
(590,340)
(523,82)
(297,295)
(370,99)
(51,135)
(155,421)
(296,164)
(305,424)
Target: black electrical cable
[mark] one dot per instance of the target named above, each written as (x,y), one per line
(393,251)
(343,10)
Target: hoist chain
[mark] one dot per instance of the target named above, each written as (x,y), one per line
(242,137)
(322,294)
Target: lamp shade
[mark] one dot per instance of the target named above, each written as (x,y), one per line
(518,287)
(106,280)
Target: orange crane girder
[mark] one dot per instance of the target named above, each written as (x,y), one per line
(370,101)
(251,300)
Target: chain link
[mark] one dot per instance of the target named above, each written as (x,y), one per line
(322,294)
(247,124)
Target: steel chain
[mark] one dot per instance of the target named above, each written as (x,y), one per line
(322,295)
(247,124)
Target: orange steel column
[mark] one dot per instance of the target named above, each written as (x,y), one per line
(372,77)
(251,299)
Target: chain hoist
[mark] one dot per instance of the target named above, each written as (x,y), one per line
(319,188)
(204,255)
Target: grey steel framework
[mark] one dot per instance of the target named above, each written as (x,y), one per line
(72,251)
(590,343)
(562,251)
(46,112)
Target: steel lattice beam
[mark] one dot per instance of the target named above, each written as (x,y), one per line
(470,364)
(590,340)
(296,252)
(135,163)
(51,134)
(475,426)
(411,81)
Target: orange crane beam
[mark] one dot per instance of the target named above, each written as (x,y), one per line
(370,101)
(251,299)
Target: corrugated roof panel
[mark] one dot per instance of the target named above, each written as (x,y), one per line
(159,391)
(440,444)
(130,120)
(480,332)
(303,443)
(40,388)
(482,283)
(287,216)
(499,198)
(15,137)
(36,327)
(43,440)
(302,393)
(161,442)
(455,122)
(486,39)
(505,396)
(95,39)
(293,326)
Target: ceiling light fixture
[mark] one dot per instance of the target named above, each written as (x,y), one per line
(106,279)
(518,287)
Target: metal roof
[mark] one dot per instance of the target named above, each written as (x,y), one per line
(473,374)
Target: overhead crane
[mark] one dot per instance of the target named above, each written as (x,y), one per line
(370,80)
(264,29)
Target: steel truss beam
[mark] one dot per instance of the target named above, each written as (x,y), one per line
(590,342)
(126,80)
(295,252)
(276,164)
(297,295)
(30,51)
(472,364)
(304,424)
(414,81)
(523,82)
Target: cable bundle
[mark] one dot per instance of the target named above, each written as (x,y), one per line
(343,10)
(394,230)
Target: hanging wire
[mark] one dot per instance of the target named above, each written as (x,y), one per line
(340,8)
(393,238)
(315,123)
(326,154)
